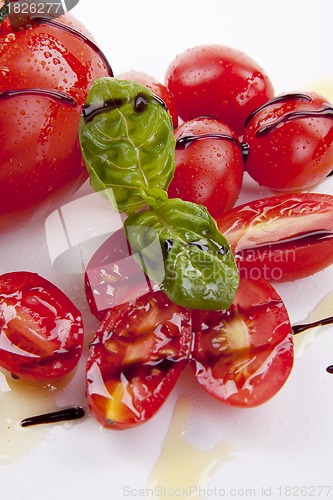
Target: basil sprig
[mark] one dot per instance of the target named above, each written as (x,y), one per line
(128,146)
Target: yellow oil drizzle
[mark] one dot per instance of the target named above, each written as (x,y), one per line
(323,309)
(183,468)
(19,400)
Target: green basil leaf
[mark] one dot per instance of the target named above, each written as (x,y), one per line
(127,142)
(179,247)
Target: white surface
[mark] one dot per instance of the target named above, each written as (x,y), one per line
(288,441)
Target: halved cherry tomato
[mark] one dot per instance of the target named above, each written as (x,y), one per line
(209,165)
(283,237)
(155,86)
(290,141)
(113,277)
(218,81)
(136,358)
(243,356)
(41,330)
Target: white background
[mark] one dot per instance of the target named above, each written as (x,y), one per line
(288,441)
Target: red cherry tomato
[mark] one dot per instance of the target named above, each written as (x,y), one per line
(136,358)
(243,356)
(41,330)
(155,86)
(217,81)
(209,165)
(113,277)
(290,142)
(46,72)
(283,237)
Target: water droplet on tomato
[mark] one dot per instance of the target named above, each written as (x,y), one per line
(47,54)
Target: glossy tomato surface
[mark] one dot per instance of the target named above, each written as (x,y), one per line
(209,165)
(217,81)
(41,330)
(290,141)
(244,356)
(283,237)
(155,86)
(46,72)
(136,358)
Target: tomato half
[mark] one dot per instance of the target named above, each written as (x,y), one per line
(281,238)
(209,165)
(136,358)
(41,330)
(45,73)
(218,81)
(290,141)
(155,86)
(243,356)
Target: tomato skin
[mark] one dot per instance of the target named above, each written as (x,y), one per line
(136,358)
(41,163)
(244,356)
(218,81)
(209,171)
(155,86)
(41,330)
(281,238)
(298,152)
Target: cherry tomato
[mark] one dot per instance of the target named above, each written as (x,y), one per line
(290,141)
(282,237)
(155,86)
(217,81)
(209,165)
(45,74)
(243,356)
(113,277)
(41,330)
(136,358)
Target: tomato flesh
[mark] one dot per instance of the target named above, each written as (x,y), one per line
(136,358)
(243,356)
(41,334)
(281,238)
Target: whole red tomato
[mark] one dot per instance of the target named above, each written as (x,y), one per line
(45,73)
(155,86)
(209,165)
(218,81)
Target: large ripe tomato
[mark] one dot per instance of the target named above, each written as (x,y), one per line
(217,81)
(290,141)
(155,86)
(281,238)
(209,165)
(136,358)
(243,356)
(45,74)
(41,330)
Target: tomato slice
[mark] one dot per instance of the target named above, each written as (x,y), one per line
(41,330)
(243,356)
(281,238)
(113,277)
(136,358)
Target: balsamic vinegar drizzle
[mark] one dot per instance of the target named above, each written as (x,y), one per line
(279,98)
(51,94)
(186,140)
(72,413)
(296,329)
(77,34)
(325,110)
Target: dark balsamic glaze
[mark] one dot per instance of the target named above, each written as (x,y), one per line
(72,413)
(305,238)
(51,94)
(186,140)
(280,98)
(77,34)
(325,110)
(296,329)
